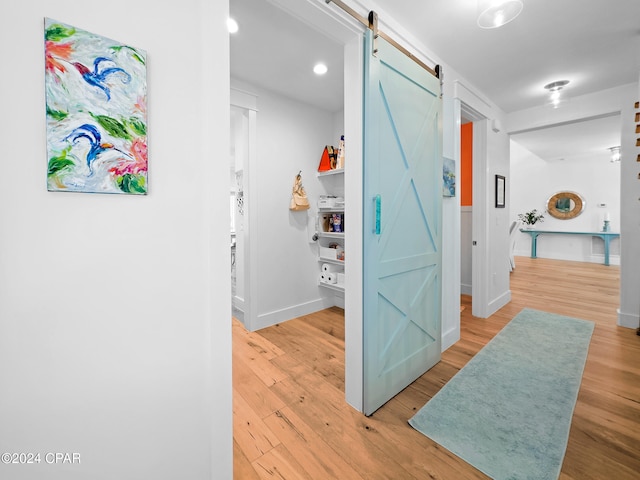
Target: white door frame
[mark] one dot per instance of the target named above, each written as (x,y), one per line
(248,102)
(471,107)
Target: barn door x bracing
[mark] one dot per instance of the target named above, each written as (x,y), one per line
(402,222)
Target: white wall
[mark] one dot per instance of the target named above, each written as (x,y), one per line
(595,178)
(497,218)
(290,138)
(629,311)
(114,325)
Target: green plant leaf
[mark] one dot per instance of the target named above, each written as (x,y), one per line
(57,32)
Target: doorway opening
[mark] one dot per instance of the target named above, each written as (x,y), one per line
(474,217)
(297,115)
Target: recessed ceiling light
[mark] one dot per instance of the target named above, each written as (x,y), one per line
(320,69)
(232,25)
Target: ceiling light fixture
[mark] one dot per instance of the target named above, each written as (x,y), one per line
(495,13)
(320,69)
(615,154)
(232,25)
(554,91)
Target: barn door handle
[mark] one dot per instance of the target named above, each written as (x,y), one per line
(378,201)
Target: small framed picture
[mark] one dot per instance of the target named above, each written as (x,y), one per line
(500,189)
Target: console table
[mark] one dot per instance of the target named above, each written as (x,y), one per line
(606,236)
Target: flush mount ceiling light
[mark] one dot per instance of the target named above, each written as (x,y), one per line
(615,154)
(232,25)
(495,13)
(554,91)
(320,69)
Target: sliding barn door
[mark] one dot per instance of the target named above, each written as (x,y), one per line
(402,222)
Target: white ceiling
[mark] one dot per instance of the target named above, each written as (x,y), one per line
(594,44)
(574,141)
(275,51)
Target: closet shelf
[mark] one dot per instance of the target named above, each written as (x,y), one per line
(331,209)
(332,286)
(330,235)
(330,260)
(335,171)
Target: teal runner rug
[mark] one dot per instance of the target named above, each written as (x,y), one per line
(508,411)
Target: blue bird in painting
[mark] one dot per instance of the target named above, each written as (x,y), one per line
(97,147)
(98,76)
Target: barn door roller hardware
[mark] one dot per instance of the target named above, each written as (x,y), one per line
(372,23)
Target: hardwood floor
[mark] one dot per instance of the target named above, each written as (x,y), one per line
(291,420)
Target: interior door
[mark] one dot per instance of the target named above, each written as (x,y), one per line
(402,222)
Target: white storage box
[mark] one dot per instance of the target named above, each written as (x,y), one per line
(327,201)
(326,252)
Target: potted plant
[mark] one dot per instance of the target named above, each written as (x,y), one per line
(530,218)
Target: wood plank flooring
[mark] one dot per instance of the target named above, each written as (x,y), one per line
(291,420)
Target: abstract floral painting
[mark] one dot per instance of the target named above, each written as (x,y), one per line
(96,92)
(448,177)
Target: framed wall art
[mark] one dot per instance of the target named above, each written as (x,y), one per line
(500,191)
(448,177)
(96,95)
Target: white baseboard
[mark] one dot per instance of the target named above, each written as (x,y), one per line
(498,303)
(450,337)
(628,320)
(271,318)
(465,289)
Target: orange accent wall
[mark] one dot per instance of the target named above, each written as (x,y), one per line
(466,165)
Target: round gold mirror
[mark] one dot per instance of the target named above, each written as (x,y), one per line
(565,205)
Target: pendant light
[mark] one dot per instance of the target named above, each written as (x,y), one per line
(495,13)
(554,92)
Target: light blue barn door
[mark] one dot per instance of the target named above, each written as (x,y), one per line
(402,222)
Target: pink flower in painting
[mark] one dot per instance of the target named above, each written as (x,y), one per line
(141,104)
(139,153)
(54,52)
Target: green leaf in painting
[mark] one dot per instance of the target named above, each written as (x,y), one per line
(113,126)
(137,126)
(130,183)
(56,114)
(134,53)
(57,32)
(58,164)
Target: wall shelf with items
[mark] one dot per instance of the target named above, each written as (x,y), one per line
(331,223)
(332,275)
(330,229)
